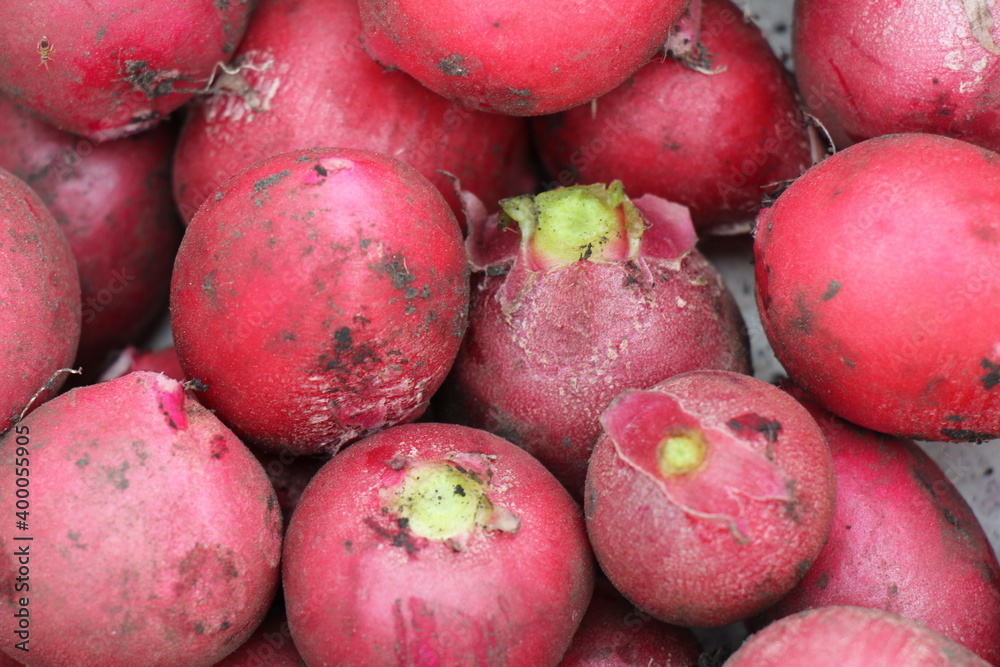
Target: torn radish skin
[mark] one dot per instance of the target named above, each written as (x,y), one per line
(707,473)
(708,496)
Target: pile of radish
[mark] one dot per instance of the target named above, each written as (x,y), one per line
(392,332)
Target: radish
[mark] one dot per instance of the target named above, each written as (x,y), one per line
(113,202)
(616,634)
(111,69)
(850,637)
(39,301)
(595,295)
(888,492)
(320,296)
(520,58)
(670,130)
(155,537)
(873,67)
(708,496)
(913,348)
(434,544)
(304,80)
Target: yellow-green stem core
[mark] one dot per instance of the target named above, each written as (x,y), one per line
(441,502)
(681,452)
(573,224)
(567,225)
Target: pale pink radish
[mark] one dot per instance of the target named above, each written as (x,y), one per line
(155,535)
(708,497)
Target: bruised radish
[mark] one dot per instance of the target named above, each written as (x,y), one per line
(435,544)
(39,301)
(850,637)
(670,130)
(878,284)
(320,296)
(155,537)
(284,97)
(106,70)
(872,67)
(708,497)
(597,294)
(521,58)
(616,634)
(113,202)
(889,493)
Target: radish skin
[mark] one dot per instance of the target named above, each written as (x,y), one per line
(708,496)
(39,302)
(320,296)
(520,58)
(911,349)
(850,637)
(867,68)
(384,565)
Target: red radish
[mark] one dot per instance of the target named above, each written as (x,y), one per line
(873,67)
(434,544)
(321,296)
(521,58)
(39,301)
(600,295)
(155,536)
(912,348)
(616,634)
(287,97)
(158,361)
(113,202)
(670,130)
(850,637)
(708,497)
(115,68)
(889,492)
